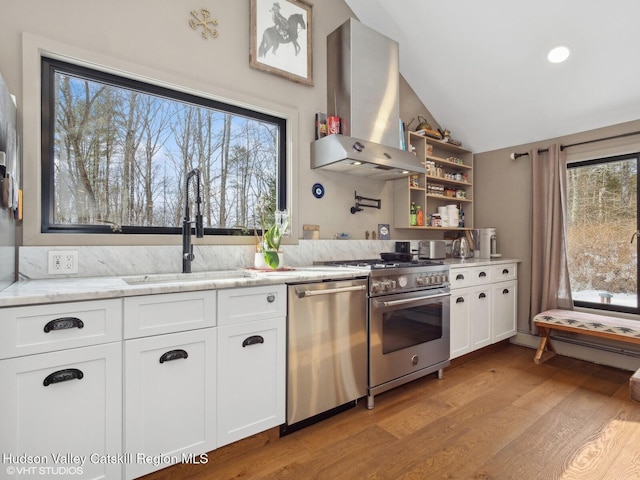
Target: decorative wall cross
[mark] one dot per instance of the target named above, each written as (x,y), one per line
(206,23)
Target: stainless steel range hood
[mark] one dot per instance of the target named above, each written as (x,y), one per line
(363,90)
(359,157)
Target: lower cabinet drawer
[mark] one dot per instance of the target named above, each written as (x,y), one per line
(168,313)
(170,399)
(460,277)
(60,403)
(504,272)
(45,328)
(239,305)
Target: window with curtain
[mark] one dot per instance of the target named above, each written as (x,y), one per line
(602,221)
(115,153)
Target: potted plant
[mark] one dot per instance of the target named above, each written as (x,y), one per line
(268,253)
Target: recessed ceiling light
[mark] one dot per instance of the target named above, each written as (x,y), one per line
(558,54)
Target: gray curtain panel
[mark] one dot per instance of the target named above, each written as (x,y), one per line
(549,271)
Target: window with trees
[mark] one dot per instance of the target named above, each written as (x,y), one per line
(602,210)
(115,152)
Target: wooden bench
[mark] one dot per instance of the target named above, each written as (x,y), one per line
(596,325)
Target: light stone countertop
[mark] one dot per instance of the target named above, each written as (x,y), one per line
(32,292)
(43,291)
(478,262)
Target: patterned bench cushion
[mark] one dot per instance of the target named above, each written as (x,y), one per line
(590,322)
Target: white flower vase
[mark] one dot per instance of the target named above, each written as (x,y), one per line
(259,262)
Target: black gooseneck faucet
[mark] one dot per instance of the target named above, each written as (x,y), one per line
(187,247)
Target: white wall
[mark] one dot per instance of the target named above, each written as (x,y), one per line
(152,38)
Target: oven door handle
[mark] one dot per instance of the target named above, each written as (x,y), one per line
(392,303)
(329,291)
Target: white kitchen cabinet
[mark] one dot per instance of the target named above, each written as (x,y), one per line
(460,322)
(460,278)
(64,402)
(481,316)
(251,361)
(168,313)
(504,272)
(46,328)
(505,295)
(237,305)
(483,306)
(170,378)
(170,397)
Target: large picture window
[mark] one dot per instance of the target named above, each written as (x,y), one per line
(602,210)
(115,152)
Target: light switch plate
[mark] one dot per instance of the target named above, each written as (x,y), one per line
(63,262)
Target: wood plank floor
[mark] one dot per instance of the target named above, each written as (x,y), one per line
(497,416)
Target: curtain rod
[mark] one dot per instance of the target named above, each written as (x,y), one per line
(514,156)
(622,135)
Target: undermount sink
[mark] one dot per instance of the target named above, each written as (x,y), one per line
(186,277)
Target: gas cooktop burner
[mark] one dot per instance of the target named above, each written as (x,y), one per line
(377,263)
(387,277)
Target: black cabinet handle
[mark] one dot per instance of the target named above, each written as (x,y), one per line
(505,271)
(460,277)
(173,355)
(505,291)
(460,300)
(63,323)
(63,376)
(271,298)
(252,340)
(482,295)
(482,274)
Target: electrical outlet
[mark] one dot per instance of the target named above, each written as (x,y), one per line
(61,262)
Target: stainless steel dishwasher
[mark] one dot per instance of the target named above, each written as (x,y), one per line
(326,349)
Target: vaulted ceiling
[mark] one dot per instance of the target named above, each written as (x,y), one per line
(481,70)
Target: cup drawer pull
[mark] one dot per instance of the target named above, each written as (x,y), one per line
(63,376)
(63,324)
(173,355)
(252,340)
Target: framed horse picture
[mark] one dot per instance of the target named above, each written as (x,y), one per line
(281,39)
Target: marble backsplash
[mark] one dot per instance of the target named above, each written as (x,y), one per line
(135,260)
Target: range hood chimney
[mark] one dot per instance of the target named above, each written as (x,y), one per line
(363,90)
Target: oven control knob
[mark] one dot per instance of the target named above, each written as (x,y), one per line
(420,280)
(402,281)
(432,279)
(388,285)
(415,359)
(375,287)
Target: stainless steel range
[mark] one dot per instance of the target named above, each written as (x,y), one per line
(408,321)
